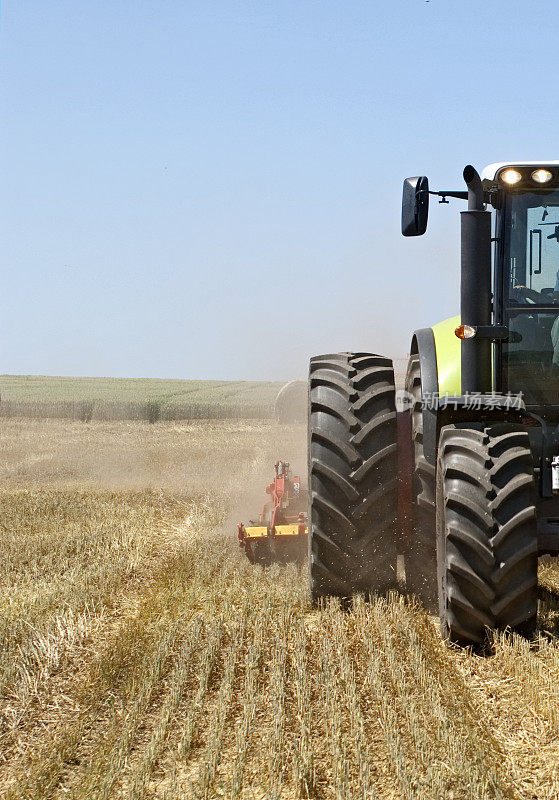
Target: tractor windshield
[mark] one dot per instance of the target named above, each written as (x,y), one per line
(532,248)
(530,293)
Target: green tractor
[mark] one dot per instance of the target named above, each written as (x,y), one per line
(455,478)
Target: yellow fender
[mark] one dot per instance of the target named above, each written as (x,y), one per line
(447,349)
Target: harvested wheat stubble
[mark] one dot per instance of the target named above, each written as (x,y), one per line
(144,657)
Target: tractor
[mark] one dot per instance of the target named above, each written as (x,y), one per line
(456,477)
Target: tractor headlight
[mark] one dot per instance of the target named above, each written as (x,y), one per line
(511,176)
(542,175)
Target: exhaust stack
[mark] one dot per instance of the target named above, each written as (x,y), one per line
(475,286)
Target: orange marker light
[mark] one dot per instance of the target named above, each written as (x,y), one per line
(465,331)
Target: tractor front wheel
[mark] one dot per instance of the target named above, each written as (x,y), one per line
(487,546)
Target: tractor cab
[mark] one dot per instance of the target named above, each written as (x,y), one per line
(526,283)
(509,300)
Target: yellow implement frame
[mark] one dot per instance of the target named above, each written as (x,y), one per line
(261,531)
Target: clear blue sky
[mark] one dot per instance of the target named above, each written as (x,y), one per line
(212,189)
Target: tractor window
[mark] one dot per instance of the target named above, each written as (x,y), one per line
(532,248)
(530,360)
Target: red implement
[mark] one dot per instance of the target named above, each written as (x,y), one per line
(280,534)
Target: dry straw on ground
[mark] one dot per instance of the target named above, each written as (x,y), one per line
(143,656)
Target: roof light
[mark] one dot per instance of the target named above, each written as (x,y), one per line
(511,176)
(465,331)
(542,175)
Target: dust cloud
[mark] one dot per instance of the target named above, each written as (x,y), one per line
(229,460)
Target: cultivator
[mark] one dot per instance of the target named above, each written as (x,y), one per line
(280,534)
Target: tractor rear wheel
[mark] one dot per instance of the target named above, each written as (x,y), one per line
(421,553)
(487,544)
(352,475)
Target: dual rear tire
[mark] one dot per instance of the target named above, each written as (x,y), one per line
(475,542)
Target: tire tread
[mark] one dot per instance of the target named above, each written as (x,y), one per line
(487,531)
(352,475)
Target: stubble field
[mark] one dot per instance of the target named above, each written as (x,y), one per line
(143,656)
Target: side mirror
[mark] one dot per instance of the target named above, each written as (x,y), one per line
(415,206)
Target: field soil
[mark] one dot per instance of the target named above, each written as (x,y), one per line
(143,656)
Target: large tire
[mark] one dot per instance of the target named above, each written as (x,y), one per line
(486,531)
(352,475)
(420,557)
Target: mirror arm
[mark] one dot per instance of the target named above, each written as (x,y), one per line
(488,196)
(459,195)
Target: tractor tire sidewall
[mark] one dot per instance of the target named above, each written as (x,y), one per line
(421,552)
(440,529)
